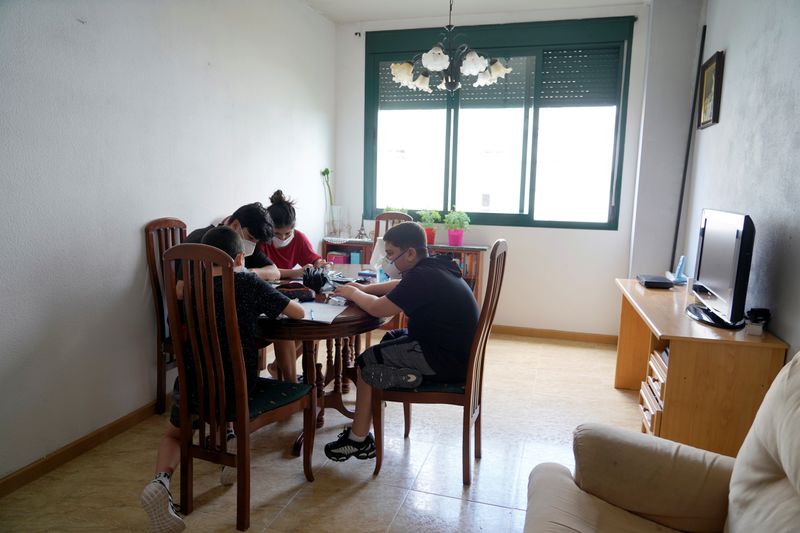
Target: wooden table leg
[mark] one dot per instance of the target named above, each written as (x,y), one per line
(333,399)
(313,372)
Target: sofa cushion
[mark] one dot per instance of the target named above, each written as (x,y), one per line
(765,485)
(556,504)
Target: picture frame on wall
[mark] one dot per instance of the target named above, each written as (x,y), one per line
(710,90)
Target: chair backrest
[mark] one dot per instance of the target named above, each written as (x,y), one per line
(497,267)
(209,326)
(160,235)
(386,220)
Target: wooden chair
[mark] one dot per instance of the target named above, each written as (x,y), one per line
(386,220)
(383,222)
(222,398)
(159,236)
(466,394)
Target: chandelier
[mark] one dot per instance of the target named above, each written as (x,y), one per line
(450,61)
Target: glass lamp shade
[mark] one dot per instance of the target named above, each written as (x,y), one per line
(473,64)
(435,60)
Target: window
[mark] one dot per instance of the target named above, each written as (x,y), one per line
(543,147)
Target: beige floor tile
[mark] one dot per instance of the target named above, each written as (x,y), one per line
(535,393)
(431,513)
(352,505)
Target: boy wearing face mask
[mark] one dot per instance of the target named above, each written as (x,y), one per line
(253,298)
(442,317)
(254,225)
(288,246)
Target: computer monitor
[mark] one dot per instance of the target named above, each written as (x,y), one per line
(724,252)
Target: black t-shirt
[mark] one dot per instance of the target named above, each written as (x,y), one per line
(254,297)
(257,259)
(442,314)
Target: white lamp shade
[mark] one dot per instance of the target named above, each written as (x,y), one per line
(473,64)
(435,59)
(498,70)
(403,73)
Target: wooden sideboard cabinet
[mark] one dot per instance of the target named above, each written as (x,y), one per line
(698,385)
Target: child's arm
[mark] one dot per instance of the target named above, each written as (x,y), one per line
(291,273)
(376,289)
(294,310)
(267,273)
(374,305)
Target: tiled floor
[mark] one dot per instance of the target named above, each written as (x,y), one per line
(535,393)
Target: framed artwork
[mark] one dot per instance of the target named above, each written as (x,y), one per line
(710,90)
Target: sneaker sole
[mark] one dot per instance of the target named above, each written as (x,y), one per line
(155,501)
(387,377)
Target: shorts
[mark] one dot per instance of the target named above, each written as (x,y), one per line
(175,409)
(397,350)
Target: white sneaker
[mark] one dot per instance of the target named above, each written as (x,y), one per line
(228,474)
(157,503)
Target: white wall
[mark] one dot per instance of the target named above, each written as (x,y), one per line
(671,66)
(556,278)
(113,113)
(749,162)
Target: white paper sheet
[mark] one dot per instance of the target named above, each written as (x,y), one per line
(317,312)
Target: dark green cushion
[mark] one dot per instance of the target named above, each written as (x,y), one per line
(433,386)
(269,394)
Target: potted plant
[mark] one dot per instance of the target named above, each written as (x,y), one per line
(427,218)
(457,222)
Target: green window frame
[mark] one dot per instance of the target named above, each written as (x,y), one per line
(606,37)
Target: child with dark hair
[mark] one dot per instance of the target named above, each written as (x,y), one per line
(288,246)
(254,297)
(442,318)
(254,225)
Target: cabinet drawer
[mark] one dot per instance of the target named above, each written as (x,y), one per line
(650,409)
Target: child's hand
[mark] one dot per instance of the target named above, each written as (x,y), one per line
(346,290)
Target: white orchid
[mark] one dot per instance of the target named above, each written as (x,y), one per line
(403,73)
(435,59)
(473,63)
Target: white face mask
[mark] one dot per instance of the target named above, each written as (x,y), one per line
(249,247)
(390,268)
(277,243)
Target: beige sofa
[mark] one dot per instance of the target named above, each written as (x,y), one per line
(627,481)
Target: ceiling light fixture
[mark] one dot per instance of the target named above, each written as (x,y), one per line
(450,61)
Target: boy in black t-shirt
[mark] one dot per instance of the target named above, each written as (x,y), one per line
(254,297)
(442,317)
(254,225)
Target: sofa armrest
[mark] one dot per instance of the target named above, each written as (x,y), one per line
(673,484)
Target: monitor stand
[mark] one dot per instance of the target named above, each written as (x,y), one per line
(705,315)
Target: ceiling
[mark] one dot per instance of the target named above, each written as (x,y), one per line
(346,11)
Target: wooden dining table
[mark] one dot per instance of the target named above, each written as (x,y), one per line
(342,344)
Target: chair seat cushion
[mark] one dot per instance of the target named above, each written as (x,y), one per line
(433,386)
(269,394)
(556,504)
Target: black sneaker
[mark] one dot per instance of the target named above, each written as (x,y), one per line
(344,448)
(388,377)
